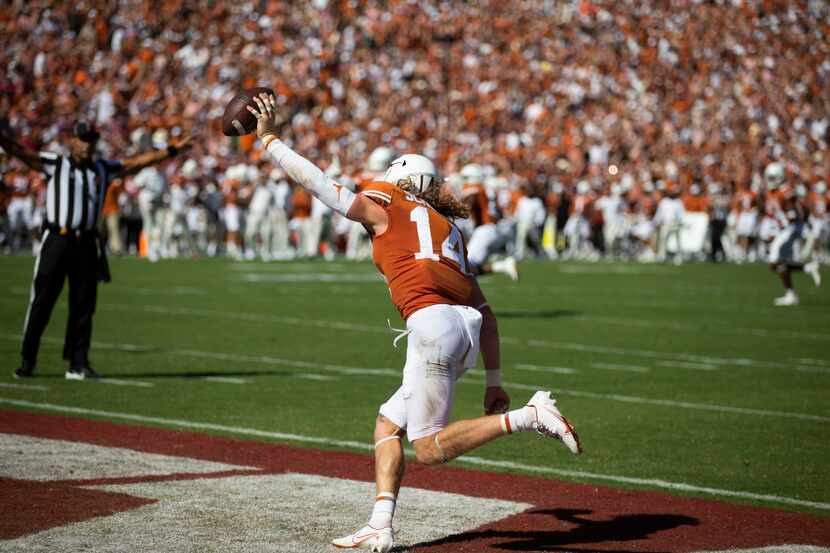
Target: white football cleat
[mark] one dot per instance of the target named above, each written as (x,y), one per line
(550,422)
(506,266)
(811,269)
(376,541)
(787,300)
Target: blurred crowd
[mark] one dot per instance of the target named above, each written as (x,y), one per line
(636,129)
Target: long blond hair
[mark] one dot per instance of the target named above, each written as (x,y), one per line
(443,202)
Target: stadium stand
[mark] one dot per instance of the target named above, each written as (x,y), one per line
(601,109)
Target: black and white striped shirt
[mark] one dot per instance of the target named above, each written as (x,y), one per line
(75,192)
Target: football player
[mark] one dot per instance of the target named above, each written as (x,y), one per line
(421,254)
(790,211)
(486,236)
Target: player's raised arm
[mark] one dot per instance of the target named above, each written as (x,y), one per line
(15,149)
(133,165)
(311,177)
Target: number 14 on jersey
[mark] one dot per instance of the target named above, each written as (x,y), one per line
(451,248)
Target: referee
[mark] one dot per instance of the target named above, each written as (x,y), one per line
(70,247)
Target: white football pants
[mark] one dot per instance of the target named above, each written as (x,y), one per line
(442,343)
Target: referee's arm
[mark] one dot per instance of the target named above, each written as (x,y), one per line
(133,165)
(24,154)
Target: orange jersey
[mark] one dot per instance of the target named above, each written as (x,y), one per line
(695,203)
(744,200)
(301,203)
(476,199)
(421,254)
(818,204)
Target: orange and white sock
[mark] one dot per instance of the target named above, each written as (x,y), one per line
(518,420)
(383,511)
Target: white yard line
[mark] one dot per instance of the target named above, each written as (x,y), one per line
(480,461)
(24,386)
(544,369)
(396,373)
(619,367)
(665,402)
(821,362)
(737,361)
(378,329)
(226,380)
(125,382)
(688,365)
(812,369)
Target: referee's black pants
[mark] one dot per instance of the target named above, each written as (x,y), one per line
(73,256)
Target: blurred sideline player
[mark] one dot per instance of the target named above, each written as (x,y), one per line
(486,237)
(790,212)
(745,215)
(421,254)
(358,242)
(818,201)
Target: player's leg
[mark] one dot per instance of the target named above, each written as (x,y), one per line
(780,260)
(482,244)
(47,283)
(83,292)
(377,534)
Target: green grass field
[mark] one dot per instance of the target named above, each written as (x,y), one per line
(683,375)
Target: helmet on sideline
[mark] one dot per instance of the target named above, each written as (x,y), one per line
(418,169)
(379,159)
(774,175)
(472,173)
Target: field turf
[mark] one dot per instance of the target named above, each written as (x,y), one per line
(683,379)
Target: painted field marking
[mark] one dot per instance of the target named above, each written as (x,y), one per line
(352,278)
(377,329)
(268,360)
(666,402)
(474,460)
(264,359)
(737,361)
(340,369)
(312,376)
(619,367)
(822,362)
(24,386)
(226,380)
(812,369)
(544,369)
(124,382)
(688,365)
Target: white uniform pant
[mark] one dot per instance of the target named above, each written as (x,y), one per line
(784,247)
(485,241)
(443,342)
(19,212)
(152,220)
(258,226)
(278,225)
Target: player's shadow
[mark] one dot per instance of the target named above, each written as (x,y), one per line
(622,528)
(537,313)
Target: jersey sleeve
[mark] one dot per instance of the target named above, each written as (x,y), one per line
(379,192)
(49,161)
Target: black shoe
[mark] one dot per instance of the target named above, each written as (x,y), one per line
(81,373)
(25,370)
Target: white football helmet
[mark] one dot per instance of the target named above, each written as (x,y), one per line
(417,168)
(379,159)
(472,173)
(774,175)
(820,188)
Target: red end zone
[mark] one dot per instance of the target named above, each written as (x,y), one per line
(565,516)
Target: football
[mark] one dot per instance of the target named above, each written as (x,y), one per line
(237,120)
